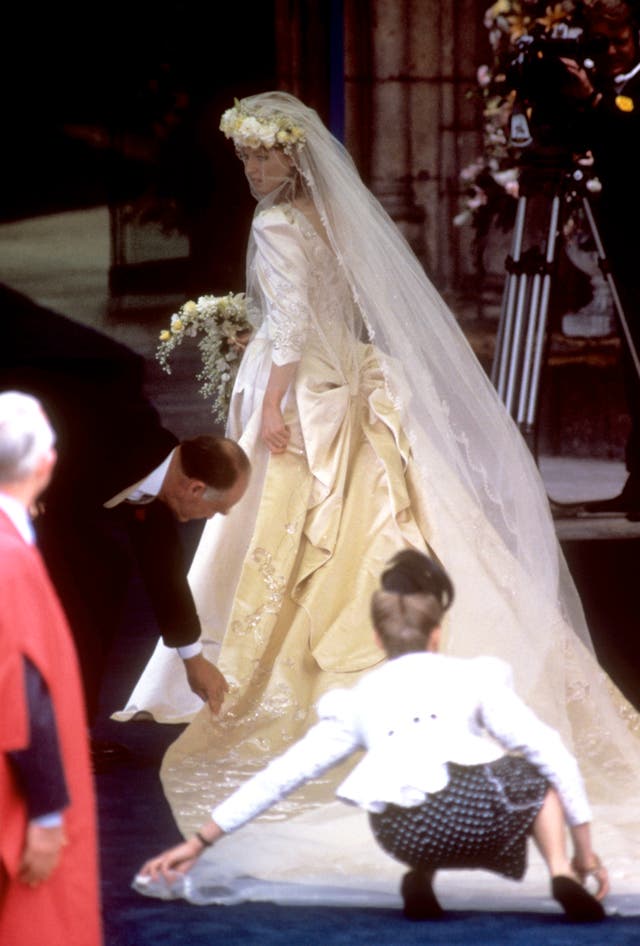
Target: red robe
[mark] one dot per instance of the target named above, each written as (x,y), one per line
(65,909)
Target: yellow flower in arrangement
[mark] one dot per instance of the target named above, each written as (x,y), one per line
(499,9)
(555,14)
(218,320)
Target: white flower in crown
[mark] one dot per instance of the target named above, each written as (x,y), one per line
(250,130)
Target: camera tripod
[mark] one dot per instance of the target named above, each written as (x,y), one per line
(522,331)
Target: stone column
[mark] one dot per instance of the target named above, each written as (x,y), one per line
(410,125)
(389,164)
(303,50)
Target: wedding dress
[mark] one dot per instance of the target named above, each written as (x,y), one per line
(389,419)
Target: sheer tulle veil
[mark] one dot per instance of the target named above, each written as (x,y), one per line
(442,390)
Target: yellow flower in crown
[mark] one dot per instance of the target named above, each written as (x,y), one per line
(255,130)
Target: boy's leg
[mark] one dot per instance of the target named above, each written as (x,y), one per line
(549,833)
(420,902)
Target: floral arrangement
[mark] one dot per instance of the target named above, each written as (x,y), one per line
(251,130)
(490,183)
(219,319)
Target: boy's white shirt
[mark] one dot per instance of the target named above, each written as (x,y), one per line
(412,716)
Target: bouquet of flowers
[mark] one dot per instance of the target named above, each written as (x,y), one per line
(219,320)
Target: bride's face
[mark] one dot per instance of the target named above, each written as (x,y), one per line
(265,168)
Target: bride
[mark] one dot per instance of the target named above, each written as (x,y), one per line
(371,427)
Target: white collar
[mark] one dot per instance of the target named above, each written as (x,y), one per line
(152,484)
(19,517)
(625,76)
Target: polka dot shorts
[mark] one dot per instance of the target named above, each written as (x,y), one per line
(481,819)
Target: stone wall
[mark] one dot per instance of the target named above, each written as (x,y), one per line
(412,121)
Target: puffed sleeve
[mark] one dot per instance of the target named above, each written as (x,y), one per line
(518,729)
(282,271)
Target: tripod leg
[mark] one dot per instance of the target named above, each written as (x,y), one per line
(529,345)
(534,351)
(604,266)
(515,357)
(501,361)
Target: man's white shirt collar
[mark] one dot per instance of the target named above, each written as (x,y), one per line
(152,484)
(19,517)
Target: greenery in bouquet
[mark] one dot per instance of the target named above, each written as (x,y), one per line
(218,320)
(489,184)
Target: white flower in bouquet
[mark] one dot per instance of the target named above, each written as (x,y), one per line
(218,320)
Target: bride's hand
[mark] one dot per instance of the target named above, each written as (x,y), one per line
(274,432)
(241,340)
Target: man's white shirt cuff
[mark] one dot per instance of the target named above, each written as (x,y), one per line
(189,650)
(51,820)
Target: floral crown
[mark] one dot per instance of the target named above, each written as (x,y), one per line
(251,130)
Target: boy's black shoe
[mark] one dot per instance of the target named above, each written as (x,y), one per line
(420,901)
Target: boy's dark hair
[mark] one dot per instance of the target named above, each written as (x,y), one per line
(410,572)
(416,591)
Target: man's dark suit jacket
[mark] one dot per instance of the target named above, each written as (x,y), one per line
(109,437)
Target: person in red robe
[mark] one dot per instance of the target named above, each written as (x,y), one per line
(49,888)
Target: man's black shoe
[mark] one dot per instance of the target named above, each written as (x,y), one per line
(617,505)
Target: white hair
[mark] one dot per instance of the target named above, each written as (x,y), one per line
(25,435)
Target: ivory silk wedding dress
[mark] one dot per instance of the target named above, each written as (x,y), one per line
(397,439)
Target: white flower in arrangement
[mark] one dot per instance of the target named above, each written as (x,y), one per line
(219,320)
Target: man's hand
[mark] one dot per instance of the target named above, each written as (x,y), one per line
(206,681)
(577,85)
(41,853)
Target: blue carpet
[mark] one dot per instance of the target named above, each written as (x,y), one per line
(135,823)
